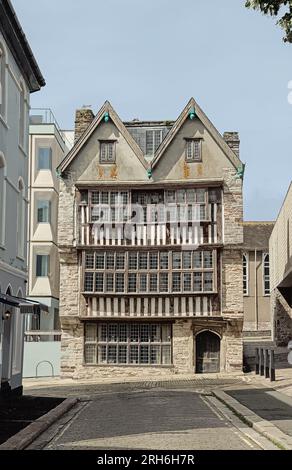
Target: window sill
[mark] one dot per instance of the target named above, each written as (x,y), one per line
(20,258)
(132,366)
(4,122)
(148,294)
(2,247)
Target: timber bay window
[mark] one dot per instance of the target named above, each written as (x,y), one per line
(107,151)
(266,272)
(193,150)
(128,343)
(147,272)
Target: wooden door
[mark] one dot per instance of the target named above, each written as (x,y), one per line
(207,352)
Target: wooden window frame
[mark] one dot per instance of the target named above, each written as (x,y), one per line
(105,144)
(266,278)
(193,142)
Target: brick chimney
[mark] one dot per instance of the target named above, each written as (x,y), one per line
(232,139)
(83,119)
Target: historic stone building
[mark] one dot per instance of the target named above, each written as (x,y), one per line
(150,244)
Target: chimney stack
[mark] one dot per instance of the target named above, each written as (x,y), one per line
(83,119)
(232,139)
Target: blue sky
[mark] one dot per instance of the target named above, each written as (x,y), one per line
(149,57)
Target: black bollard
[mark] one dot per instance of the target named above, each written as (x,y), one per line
(267,369)
(272,366)
(262,365)
(257,365)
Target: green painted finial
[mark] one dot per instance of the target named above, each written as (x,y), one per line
(192,114)
(149,173)
(240,172)
(106,117)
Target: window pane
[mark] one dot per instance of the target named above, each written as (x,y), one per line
(198,287)
(166,354)
(95,197)
(134,333)
(104,197)
(102,354)
(143,283)
(170,196)
(191,195)
(201,195)
(45,158)
(90,354)
(102,332)
(143,260)
(120,261)
(144,354)
(153,283)
(42,265)
(208,259)
(88,282)
(163,260)
(99,260)
(153,261)
(110,260)
(144,333)
(44,211)
(187,277)
(89,261)
(197,259)
(134,354)
(123,331)
(166,333)
(176,282)
(132,282)
(112,354)
(109,286)
(155,355)
(99,282)
(176,260)
(163,282)
(133,262)
(187,259)
(112,332)
(208,282)
(90,333)
(120,282)
(155,333)
(122,354)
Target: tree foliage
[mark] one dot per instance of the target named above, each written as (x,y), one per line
(277,8)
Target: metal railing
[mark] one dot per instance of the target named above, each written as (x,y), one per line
(265,363)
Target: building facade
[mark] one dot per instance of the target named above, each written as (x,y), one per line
(150,244)
(281,274)
(256,279)
(19,76)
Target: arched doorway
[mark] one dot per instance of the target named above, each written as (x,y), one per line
(207,346)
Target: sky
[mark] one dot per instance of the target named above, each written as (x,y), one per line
(149,57)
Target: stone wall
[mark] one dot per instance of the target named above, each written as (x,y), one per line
(83,119)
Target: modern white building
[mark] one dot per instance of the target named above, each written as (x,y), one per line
(48,145)
(19,76)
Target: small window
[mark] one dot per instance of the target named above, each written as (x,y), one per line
(45,158)
(153,140)
(194,150)
(245,274)
(266,259)
(42,265)
(44,211)
(107,152)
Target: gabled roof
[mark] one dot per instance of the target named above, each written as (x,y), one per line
(19,46)
(106,108)
(256,235)
(208,125)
